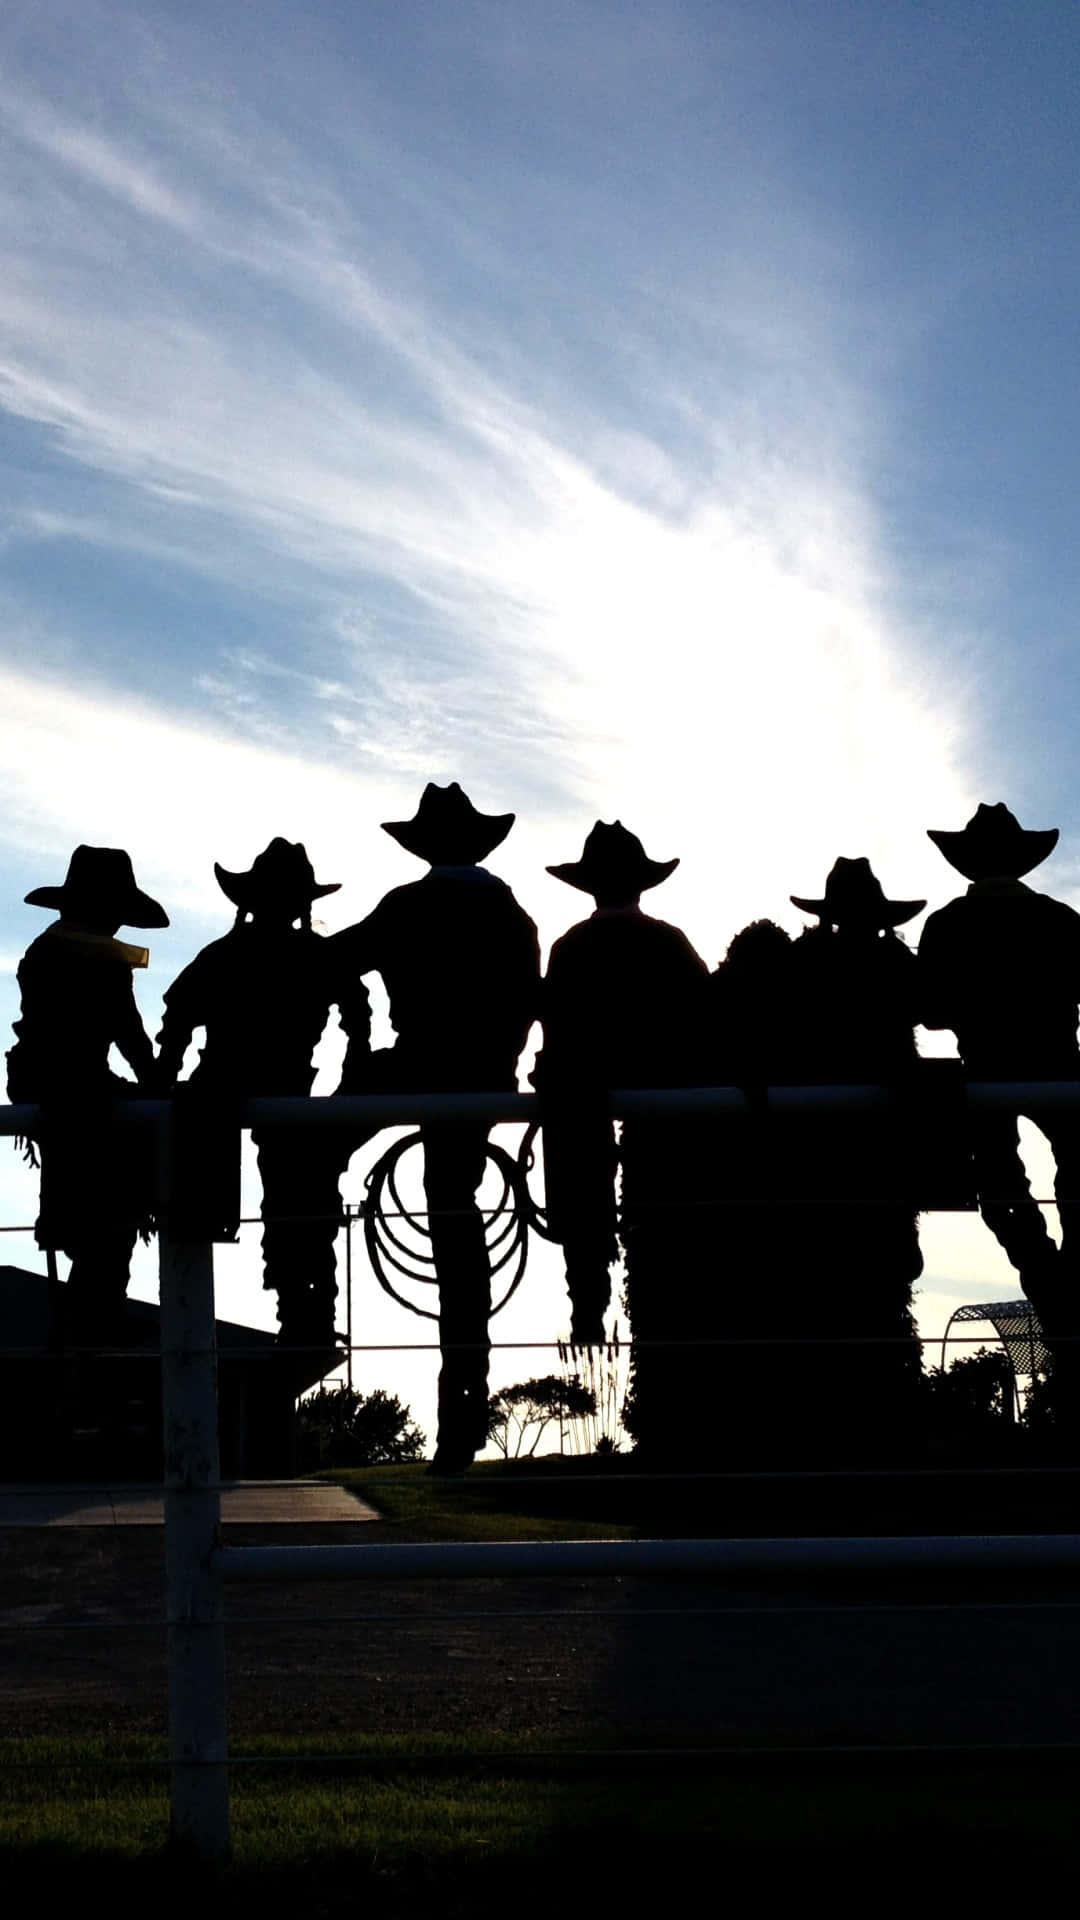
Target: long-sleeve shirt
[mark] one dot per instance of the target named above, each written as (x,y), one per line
(460,962)
(78,1000)
(853,1004)
(1001,967)
(264,1000)
(625,1003)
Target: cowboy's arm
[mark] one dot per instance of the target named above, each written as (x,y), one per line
(936,990)
(356,949)
(567,1057)
(181,1017)
(527,970)
(130,1036)
(353,1001)
(354,952)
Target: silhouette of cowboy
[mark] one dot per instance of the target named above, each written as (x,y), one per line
(854,1001)
(858,980)
(263,993)
(78,1001)
(1000,965)
(460,962)
(624,1005)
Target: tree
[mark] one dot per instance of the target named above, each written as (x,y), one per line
(535,1403)
(971,1404)
(338,1427)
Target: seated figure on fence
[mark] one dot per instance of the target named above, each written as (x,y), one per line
(263,994)
(460,962)
(78,1001)
(624,1005)
(1000,966)
(854,1002)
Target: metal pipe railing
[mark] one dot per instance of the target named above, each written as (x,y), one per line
(581,1559)
(500,1107)
(197,1564)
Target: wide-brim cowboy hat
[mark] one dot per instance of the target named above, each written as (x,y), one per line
(281,874)
(613,860)
(447,830)
(994,845)
(100,885)
(855,895)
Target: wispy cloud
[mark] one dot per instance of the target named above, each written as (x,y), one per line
(647,583)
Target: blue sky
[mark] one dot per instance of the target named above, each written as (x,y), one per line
(658,411)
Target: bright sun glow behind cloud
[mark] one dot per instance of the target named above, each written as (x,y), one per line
(707,656)
(691,634)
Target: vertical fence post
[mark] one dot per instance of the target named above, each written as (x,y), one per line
(348,1292)
(196,1633)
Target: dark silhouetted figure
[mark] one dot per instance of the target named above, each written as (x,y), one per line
(263,994)
(855,1245)
(752,1007)
(753,1047)
(460,962)
(1001,967)
(624,1005)
(78,1000)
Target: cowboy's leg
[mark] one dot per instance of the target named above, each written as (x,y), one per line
(319,1205)
(301,1213)
(580,1164)
(662,1265)
(1063,1132)
(1007,1206)
(100,1255)
(1057,1299)
(454,1159)
(105,1198)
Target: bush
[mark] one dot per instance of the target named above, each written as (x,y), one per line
(338,1427)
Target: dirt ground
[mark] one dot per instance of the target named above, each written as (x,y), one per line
(635,1663)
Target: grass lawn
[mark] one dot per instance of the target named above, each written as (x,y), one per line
(387,1834)
(536,1500)
(397,1824)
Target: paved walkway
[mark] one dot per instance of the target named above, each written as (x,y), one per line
(245,1503)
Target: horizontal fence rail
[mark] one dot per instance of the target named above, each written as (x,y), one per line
(415,1109)
(579,1559)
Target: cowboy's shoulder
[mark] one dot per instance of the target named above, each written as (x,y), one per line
(40,951)
(53,956)
(1058,911)
(383,913)
(216,958)
(509,907)
(811,949)
(475,898)
(672,942)
(475,882)
(1014,903)
(580,937)
(955,914)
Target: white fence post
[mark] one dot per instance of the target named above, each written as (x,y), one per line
(198,1752)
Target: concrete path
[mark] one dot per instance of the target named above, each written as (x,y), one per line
(248,1503)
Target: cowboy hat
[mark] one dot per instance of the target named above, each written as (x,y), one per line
(853,893)
(100,884)
(614,861)
(994,844)
(447,830)
(281,873)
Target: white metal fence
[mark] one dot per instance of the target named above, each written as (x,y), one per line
(198,1565)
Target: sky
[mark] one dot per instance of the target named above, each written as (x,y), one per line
(655,411)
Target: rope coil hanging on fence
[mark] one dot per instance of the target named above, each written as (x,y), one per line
(398,1237)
